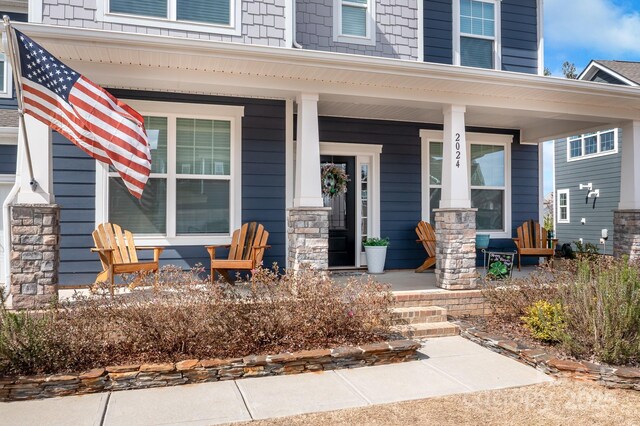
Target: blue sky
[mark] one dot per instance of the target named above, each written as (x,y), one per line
(580,30)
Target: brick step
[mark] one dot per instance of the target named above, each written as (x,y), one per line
(431,329)
(416,315)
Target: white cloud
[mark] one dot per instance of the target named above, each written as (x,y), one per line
(600,26)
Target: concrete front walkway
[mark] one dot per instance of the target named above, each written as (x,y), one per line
(449,365)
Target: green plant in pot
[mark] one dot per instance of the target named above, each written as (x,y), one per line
(376,250)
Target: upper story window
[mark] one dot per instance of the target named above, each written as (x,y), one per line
(216,16)
(476,42)
(592,145)
(354,21)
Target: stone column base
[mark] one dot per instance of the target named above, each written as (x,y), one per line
(308,237)
(456,249)
(35,254)
(626,233)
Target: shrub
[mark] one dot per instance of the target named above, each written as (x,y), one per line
(545,321)
(602,306)
(187,317)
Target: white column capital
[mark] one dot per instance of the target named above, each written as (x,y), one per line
(314,97)
(448,109)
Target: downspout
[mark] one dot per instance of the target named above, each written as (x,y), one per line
(294,36)
(6,224)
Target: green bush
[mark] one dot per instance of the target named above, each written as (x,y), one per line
(373,241)
(602,307)
(546,321)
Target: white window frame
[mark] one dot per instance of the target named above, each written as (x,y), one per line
(559,207)
(364,154)
(370,38)
(599,153)
(234,115)
(429,136)
(497,36)
(7,91)
(171,22)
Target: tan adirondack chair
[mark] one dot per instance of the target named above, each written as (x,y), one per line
(245,251)
(118,254)
(533,241)
(427,237)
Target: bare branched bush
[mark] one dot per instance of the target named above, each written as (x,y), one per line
(184,316)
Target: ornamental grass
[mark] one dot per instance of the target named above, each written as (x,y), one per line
(186,317)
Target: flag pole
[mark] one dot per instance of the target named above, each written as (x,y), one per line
(14,59)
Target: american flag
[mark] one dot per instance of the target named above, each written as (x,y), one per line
(105,128)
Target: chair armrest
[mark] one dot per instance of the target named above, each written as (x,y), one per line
(100,250)
(260,247)
(516,241)
(149,248)
(157,251)
(218,246)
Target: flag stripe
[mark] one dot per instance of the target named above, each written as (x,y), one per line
(101,125)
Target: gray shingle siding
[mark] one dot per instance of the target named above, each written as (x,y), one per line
(604,173)
(263,22)
(396,29)
(263,183)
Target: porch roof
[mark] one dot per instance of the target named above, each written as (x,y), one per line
(349,85)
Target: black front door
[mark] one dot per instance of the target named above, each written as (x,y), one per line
(342,220)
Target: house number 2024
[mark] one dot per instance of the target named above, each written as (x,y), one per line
(458,150)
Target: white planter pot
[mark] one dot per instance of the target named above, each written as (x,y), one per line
(376,256)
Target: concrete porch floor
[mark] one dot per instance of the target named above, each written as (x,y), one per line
(402,280)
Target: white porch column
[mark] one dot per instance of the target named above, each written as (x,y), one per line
(626,220)
(39,136)
(455,225)
(308,192)
(455,171)
(308,220)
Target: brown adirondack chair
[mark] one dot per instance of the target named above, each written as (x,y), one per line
(427,237)
(533,241)
(245,251)
(118,253)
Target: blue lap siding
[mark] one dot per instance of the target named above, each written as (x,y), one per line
(400,180)
(438,31)
(263,183)
(8,159)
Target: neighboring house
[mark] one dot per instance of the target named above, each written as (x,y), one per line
(425,103)
(17,11)
(587,169)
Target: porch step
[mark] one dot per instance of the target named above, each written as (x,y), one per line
(430,329)
(418,315)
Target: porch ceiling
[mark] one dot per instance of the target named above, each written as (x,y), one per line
(349,85)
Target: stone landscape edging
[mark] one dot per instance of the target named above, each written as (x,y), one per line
(142,376)
(612,377)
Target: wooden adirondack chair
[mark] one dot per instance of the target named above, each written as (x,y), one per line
(427,237)
(118,253)
(245,251)
(533,241)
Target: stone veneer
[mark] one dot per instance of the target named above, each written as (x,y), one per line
(308,236)
(35,254)
(626,228)
(609,376)
(137,376)
(456,248)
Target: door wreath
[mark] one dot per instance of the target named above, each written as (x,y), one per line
(334,180)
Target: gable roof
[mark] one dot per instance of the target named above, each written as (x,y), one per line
(627,72)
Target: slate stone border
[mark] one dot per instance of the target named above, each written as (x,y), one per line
(609,376)
(142,376)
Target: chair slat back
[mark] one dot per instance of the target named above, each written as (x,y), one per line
(111,236)
(427,236)
(532,235)
(250,235)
